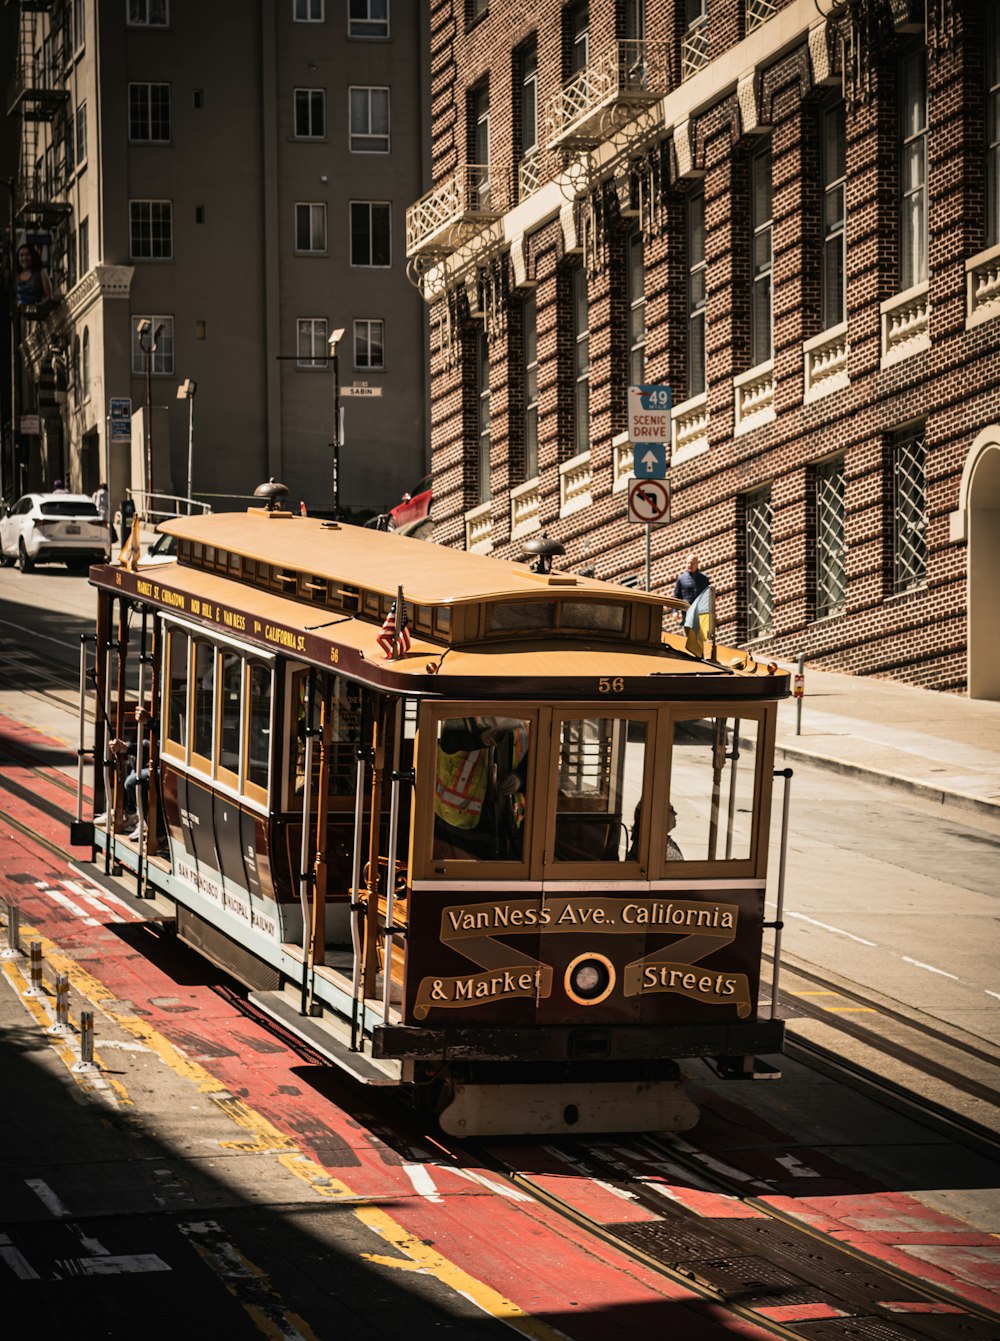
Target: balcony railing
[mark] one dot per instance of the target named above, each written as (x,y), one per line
(982,281)
(574,484)
(525,508)
(622,461)
(41,196)
(529,174)
(758,12)
(479,529)
(452,211)
(826,362)
(906,324)
(694,48)
(34,88)
(754,397)
(627,74)
(690,425)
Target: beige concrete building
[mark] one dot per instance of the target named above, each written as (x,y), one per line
(237,174)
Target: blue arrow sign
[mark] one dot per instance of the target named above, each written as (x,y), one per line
(649,460)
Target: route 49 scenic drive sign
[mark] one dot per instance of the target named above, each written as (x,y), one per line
(649,414)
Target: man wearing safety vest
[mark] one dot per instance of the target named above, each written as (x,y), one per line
(479,790)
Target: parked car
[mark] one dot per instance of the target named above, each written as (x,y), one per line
(53,528)
(162,550)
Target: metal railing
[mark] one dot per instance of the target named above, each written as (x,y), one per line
(758,12)
(471,195)
(694,48)
(529,174)
(158,507)
(626,71)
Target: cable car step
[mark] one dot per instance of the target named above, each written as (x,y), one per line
(565,1108)
(328,1035)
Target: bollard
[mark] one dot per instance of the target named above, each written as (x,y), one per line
(35,970)
(13,950)
(86,1062)
(61,1025)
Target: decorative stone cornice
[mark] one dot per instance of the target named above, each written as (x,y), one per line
(104,281)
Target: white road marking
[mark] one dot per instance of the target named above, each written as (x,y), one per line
(123,1045)
(918,963)
(501,1189)
(133,1264)
(423,1183)
(66,902)
(92,899)
(795,1167)
(17,1262)
(989,993)
(47,1197)
(837,931)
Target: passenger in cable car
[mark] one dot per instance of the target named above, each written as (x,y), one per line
(479,790)
(673,851)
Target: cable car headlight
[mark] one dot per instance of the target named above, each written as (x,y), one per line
(589,979)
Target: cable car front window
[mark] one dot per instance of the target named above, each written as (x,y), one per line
(598,798)
(480,788)
(712,777)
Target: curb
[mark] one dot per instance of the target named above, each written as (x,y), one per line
(941,795)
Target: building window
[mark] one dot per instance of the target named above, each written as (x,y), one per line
(368,18)
(148,13)
(310,227)
(834,236)
(79,25)
(163,354)
(151,230)
(84,246)
(149,113)
(369,344)
(81,135)
(477,8)
(696,272)
(69,145)
(77,372)
(369,108)
(529,322)
(577,39)
(636,310)
(85,366)
(761,328)
(307,11)
(480,115)
(370,222)
(581,362)
(993,125)
(635,20)
(310,348)
(831,548)
(760,571)
(528,63)
(70,259)
(310,113)
(483,386)
(913,169)
(909,509)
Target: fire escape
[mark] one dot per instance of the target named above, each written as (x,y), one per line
(37,93)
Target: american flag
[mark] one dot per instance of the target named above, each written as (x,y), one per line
(389,633)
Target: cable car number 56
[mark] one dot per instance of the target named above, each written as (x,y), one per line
(608,686)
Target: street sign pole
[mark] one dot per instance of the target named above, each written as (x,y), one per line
(649,532)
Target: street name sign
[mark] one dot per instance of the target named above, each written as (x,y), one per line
(31,425)
(649,502)
(649,460)
(649,413)
(361,390)
(120,418)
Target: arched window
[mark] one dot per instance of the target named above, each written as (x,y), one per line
(85,381)
(77,380)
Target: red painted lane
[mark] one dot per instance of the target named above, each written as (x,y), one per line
(573,1281)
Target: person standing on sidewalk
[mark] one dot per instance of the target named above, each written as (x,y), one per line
(691,582)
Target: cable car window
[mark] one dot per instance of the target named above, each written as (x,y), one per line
(442,620)
(602,763)
(522,615)
(345,706)
(712,775)
(231,685)
(204,698)
(259,725)
(177,689)
(480,788)
(590,615)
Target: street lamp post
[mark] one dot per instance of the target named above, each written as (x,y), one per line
(12,301)
(333,342)
(186,392)
(148,340)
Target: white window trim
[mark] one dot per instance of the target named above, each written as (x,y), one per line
(155,318)
(370,265)
(322,13)
(149,84)
(151,260)
(353,134)
(312,362)
(367,321)
(311,205)
(310,88)
(370,37)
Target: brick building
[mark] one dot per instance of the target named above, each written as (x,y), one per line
(793,221)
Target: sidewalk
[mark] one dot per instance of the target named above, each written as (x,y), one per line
(940,746)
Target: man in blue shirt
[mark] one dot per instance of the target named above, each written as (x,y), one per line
(690,583)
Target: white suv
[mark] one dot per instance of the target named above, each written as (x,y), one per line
(43,528)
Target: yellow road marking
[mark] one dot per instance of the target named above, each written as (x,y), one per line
(815,993)
(852,1010)
(268,1137)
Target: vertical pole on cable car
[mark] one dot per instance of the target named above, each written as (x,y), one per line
(359,811)
(80,750)
(718,763)
(779,911)
(100,715)
(110,790)
(320,867)
(731,818)
(374,882)
(121,694)
(390,895)
(307,768)
(799,689)
(649,534)
(140,741)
